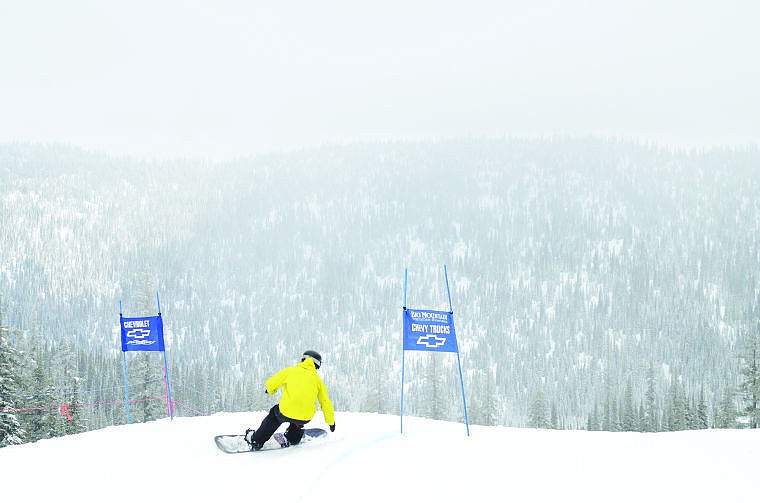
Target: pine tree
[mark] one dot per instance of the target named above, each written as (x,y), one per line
(148,405)
(593,418)
(749,388)
(69,383)
(554,420)
(213,393)
(727,412)
(650,418)
(538,414)
(614,415)
(43,421)
(690,422)
(11,432)
(372,394)
(434,389)
(611,420)
(387,396)
(676,408)
(701,411)
(145,368)
(256,399)
(483,408)
(628,414)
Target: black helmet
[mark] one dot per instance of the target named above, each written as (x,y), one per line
(314,356)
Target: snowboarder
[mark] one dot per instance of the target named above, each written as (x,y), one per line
(302,387)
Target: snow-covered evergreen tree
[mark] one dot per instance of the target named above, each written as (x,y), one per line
(628,420)
(554,417)
(45,421)
(11,431)
(378,393)
(676,409)
(700,413)
(434,388)
(69,382)
(611,418)
(749,388)
(146,368)
(727,410)
(593,424)
(650,419)
(539,414)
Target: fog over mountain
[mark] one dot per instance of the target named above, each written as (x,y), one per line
(591,280)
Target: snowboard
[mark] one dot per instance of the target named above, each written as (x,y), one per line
(235,444)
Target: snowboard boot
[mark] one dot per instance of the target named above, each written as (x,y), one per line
(255,446)
(294,433)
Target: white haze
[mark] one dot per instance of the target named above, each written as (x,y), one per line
(233,77)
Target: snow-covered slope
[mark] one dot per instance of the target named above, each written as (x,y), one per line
(367,459)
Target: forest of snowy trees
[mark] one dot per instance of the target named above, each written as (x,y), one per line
(595,284)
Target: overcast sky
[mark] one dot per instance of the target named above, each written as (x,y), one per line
(221,78)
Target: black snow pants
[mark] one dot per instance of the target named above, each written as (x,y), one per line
(272,421)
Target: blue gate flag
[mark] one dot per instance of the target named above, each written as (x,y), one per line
(142,334)
(426,330)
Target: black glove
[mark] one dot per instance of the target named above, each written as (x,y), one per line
(265,391)
(332,427)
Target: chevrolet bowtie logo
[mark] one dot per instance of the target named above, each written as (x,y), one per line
(431,341)
(138,333)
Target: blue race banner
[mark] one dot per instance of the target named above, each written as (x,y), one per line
(426,330)
(142,334)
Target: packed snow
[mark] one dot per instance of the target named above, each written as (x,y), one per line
(369,459)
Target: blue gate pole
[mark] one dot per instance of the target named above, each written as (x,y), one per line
(459,361)
(403,357)
(124,354)
(169,401)
(126,386)
(403,353)
(464,401)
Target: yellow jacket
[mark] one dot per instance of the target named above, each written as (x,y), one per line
(301,388)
